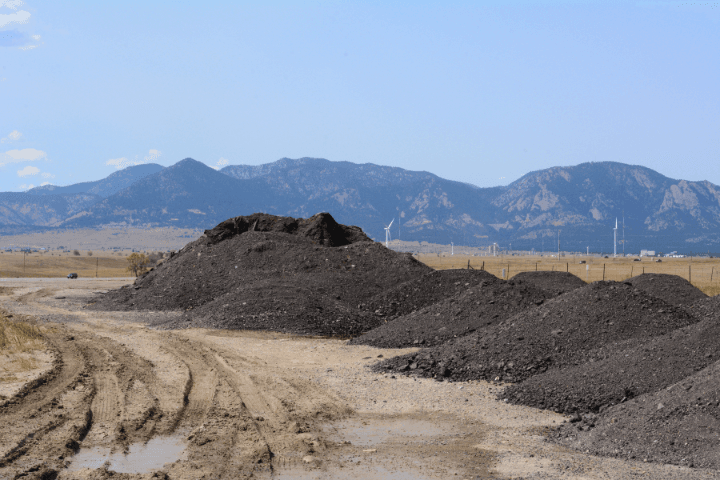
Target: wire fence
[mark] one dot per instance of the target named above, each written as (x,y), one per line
(703,273)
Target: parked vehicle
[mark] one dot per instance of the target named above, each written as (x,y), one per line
(72,275)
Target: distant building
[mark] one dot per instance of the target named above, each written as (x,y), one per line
(647,253)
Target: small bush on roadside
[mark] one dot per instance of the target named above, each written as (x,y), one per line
(76,252)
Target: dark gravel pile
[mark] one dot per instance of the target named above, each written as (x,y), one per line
(671,288)
(644,368)
(487,303)
(679,424)
(430,288)
(587,324)
(308,276)
(555,283)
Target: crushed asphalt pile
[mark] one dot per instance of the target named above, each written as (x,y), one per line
(587,324)
(431,288)
(671,288)
(645,368)
(555,283)
(679,424)
(306,276)
(488,302)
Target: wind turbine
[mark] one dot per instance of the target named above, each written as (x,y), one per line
(387,233)
(615,239)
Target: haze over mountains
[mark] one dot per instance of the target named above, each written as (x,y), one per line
(580,201)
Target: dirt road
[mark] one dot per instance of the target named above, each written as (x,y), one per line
(125,401)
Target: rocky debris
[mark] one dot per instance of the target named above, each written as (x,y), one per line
(321,229)
(275,274)
(647,367)
(679,424)
(428,289)
(487,303)
(671,288)
(555,283)
(585,325)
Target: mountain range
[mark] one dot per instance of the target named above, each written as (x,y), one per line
(578,204)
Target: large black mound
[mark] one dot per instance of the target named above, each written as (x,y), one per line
(671,288)
(556,283)
(488,302)
(679,425)
(587,324)
(307,276)
(432,287)
(646,367)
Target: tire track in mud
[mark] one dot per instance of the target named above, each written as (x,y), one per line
(46,420)
(239,420)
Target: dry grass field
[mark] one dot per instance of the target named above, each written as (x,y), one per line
(23,354)
(704,273)
(58,264)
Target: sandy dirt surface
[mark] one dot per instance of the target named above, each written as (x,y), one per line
(125,401)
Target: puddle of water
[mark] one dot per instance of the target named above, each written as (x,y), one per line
(375,432)
(141,457)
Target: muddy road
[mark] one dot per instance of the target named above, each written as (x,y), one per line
(122,400)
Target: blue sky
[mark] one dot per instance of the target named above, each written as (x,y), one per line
(481,92)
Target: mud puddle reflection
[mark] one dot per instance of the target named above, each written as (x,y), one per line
(379,447)
(140,458)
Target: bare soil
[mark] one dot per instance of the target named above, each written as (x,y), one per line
(262,405)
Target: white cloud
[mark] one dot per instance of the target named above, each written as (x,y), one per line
(14,135)
(11,4)
(153,155)
(221,163)
(36,37)
(24,155)
(18,17)
(28,171)
(47,175)
(123,162)
(45,183)
(28,47)
(26,187)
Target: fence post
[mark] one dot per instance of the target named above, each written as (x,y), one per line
(690,271)
(711,273)
(603,272)
(536,266)
(483,266)
(567,267)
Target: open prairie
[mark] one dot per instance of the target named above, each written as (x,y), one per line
(99,264)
